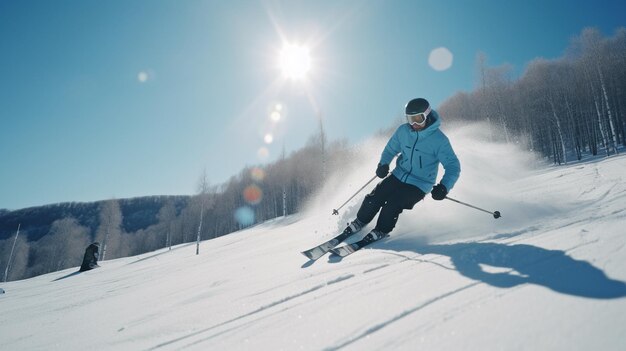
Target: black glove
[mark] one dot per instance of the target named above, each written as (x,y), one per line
(439,192)
(382,170)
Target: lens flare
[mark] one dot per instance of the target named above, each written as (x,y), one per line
(269,138)
(440,59)
(275,116)
(263,153)
(142,76)
(257,174)
(253,195)
(244,216)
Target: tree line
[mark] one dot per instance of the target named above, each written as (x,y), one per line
(561,108)
(280,188)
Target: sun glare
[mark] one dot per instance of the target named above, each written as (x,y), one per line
(295,61)
(440,59)
(142,77)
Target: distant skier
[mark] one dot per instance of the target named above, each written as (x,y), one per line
(421,146)
(90,259)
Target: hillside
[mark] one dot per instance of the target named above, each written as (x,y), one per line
(549,275)
(138,213)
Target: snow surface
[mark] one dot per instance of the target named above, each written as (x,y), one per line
(548,275)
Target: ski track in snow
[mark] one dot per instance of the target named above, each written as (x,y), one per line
(255,312)
(278,303)
(402,315)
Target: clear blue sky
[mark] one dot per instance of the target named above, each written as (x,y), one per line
(78,124)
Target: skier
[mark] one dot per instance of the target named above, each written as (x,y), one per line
(421,146)
(90,259)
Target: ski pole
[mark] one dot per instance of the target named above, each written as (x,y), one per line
(495,214)
(336,211)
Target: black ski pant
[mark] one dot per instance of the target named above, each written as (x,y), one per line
(392,196)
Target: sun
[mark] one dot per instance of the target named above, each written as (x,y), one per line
(295,61)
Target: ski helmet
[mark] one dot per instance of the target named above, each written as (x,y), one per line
(417,111)
(416,106)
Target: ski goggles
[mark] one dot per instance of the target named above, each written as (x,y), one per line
(418,118)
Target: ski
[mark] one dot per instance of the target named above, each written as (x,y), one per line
(348,249)
(319,250)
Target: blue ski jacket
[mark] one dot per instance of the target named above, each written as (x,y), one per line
(420,154)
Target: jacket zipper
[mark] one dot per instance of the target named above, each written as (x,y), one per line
(406,177)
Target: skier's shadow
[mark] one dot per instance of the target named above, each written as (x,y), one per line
(67,276)
(521,264)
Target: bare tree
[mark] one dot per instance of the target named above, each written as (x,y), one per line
(206,199)
(19,263)
(14,253)
(167,222)
(594,59)
(110,229)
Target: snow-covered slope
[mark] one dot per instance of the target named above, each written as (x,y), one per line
(549,275)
